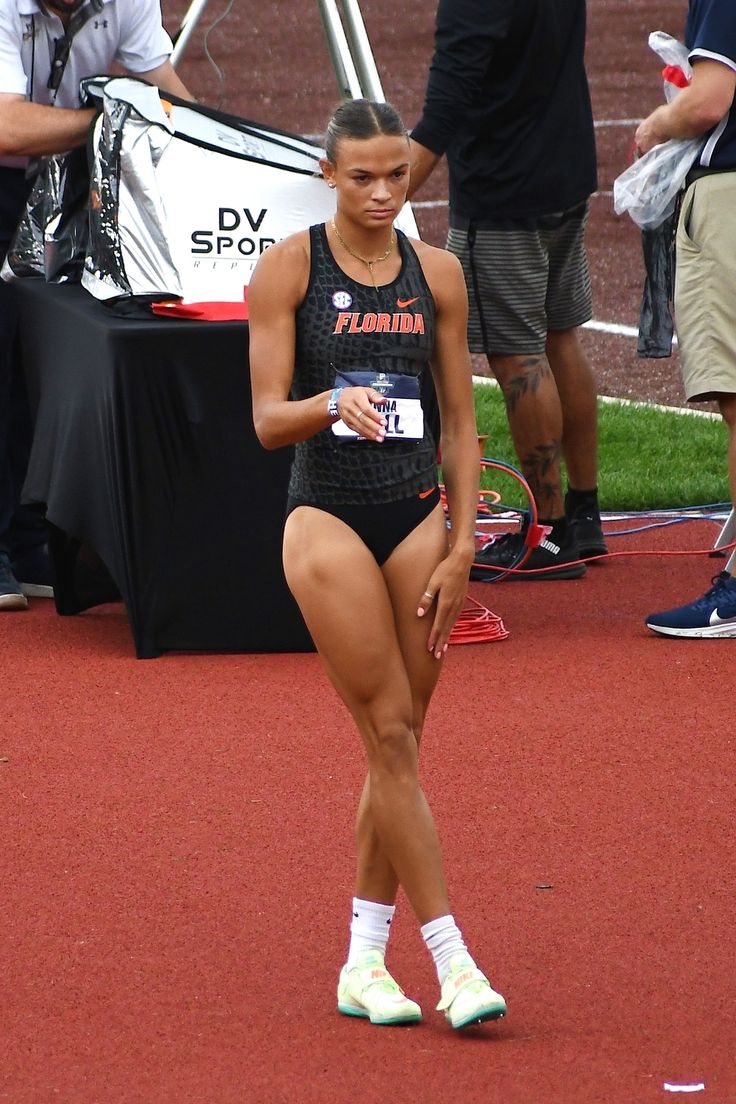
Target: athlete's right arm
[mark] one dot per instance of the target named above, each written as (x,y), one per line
(278,286)
(31,129)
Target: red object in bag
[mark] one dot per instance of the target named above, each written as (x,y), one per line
(673,74)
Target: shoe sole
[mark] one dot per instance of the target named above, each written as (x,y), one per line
(710,632)
(391,1021)
(36,590)
(485,1016)
(592,550)
(12,603)
(574,571)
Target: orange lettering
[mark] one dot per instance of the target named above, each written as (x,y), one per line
(370,322)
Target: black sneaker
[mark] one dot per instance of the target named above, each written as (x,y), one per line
(586,530)
(11,596)
(505,553)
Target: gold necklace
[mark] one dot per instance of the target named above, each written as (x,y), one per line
(363,260)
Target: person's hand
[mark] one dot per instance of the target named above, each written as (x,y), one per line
(445,594)
(423,162)
(356,409)
(647,134)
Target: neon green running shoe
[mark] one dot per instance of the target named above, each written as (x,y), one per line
(368,990)
(467,997)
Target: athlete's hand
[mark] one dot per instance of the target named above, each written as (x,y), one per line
(445,593)
(355,407)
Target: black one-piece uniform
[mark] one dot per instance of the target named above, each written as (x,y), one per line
(344,325)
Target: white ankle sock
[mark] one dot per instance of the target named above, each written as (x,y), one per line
(369,927)
(444,940)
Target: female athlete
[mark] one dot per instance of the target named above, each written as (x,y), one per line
(344,318)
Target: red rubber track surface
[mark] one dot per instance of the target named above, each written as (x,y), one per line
(177,860)
(177,834)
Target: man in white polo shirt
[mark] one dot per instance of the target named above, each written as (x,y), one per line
(46,48)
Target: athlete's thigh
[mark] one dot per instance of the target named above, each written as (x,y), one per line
(407,572)
(345,602)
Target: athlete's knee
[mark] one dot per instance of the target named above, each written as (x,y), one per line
(560,339)
(392,749)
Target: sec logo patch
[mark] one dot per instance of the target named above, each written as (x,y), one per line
(341,300)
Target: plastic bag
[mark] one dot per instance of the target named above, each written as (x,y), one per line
(51,239)
(648,188)
(677,72)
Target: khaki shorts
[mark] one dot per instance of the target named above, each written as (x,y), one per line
(705,287)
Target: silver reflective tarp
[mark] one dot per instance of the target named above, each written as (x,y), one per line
(184,200)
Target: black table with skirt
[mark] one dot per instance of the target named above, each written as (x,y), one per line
(156,488)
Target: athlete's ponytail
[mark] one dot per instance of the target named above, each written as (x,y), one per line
(361,119)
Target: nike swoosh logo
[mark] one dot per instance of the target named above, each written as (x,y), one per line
(401,303)
(716,620)
(426,494)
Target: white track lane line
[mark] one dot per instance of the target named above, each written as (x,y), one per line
(489,381)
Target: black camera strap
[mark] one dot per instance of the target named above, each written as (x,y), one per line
(63,45)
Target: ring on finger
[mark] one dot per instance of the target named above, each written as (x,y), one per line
(360,416)
(428,595)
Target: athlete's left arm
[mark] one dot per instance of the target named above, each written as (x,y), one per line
(165,78)
(695,110)
(452,373)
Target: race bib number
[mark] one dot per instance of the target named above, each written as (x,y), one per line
(401,407)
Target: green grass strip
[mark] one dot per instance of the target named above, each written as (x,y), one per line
(649,459)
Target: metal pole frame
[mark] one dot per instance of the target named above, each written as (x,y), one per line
(349,48)
(348,45)
(360,47)
(355,66)
(726,535)
(186,28)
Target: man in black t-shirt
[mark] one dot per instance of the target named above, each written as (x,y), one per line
(508,103)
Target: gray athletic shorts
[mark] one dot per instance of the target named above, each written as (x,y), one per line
(524,279)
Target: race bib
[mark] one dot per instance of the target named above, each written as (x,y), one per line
(401,406)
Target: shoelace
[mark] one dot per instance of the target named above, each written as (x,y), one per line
(718,583)
(504,545)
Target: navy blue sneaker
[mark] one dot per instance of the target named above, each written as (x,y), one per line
(11,596)
(35,572)
(712,615)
